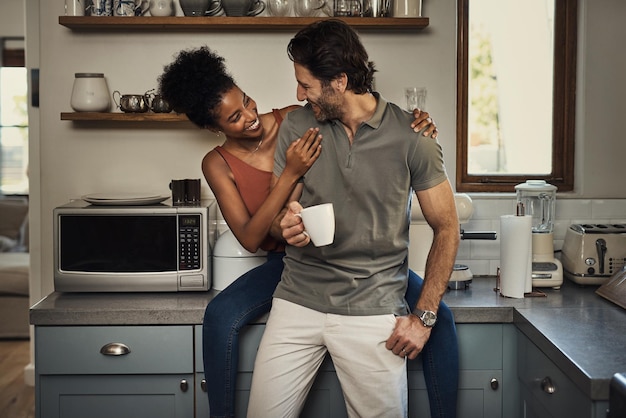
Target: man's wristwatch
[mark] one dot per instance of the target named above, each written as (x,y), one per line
(429,318)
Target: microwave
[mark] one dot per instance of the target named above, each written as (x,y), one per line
(152,248)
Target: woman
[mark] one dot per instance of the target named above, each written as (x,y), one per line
(239,173)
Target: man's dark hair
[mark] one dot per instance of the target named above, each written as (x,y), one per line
(328,48)
(194,85)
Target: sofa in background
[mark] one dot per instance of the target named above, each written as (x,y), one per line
(14,268)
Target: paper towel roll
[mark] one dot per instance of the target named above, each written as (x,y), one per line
(515,255)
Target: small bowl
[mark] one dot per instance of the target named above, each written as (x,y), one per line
(133,103)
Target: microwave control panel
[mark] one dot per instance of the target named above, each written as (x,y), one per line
(189,242)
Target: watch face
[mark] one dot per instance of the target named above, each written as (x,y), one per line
(429,318)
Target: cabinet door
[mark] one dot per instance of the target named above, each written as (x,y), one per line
(531,408)
(202,398)
(476,397)
(127,396)
(548,386)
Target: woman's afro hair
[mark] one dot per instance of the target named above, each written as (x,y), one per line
(194,85)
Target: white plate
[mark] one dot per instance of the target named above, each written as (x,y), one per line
(121,196)
(131,200)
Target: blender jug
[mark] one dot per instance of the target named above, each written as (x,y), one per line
(538,200)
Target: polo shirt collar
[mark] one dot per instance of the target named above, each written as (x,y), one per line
(377,117)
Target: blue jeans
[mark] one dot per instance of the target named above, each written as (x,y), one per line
(250,296)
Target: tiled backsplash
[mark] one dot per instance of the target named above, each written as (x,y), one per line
(483,257)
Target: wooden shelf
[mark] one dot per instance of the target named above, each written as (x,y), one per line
(124,117)
(222,23)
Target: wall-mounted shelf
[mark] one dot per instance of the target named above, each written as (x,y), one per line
(124,117)
(222,23)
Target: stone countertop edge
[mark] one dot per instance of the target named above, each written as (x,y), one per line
(582,316)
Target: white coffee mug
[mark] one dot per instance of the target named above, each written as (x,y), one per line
(75,7)
(129,7)
(319,223)
(407,8)
(161,8)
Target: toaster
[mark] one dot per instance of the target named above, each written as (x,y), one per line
(592,253)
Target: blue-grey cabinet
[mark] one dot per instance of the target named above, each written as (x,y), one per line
(545,390)
(157,371)
(124,371)
(486,362)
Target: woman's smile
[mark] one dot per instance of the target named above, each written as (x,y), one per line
(255,125)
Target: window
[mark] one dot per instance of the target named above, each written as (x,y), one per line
(13,121)
(516,93)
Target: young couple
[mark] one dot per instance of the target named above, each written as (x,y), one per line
(240,173)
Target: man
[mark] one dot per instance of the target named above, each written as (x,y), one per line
(347,298)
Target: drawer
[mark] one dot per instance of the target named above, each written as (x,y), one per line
(480,347)
(547,384)
(77,350)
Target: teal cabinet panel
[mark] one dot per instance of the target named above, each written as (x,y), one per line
(476,398)
(115,396)
(510,383)
(545,389)
(202,399)
(114,371)
(480,346)
(150,349)
(197,340)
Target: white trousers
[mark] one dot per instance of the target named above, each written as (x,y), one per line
(296,339)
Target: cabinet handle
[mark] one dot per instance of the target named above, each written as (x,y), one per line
(494,383)
(547,386)
(115,349)
(203,385)
(184,386)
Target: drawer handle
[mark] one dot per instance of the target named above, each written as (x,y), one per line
(547,386)
(115,349)
(494,383)
(203,385)
(184,386)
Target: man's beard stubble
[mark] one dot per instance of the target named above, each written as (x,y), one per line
(328,105)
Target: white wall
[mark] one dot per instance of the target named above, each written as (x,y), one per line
(12,21)
(79,159)
(601,142)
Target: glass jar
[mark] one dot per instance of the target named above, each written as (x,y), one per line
(538,199)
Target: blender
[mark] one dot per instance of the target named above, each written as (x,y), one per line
(538,199)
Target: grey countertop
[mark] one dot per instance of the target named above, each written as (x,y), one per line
(582,333)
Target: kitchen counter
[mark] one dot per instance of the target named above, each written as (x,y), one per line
(583,333)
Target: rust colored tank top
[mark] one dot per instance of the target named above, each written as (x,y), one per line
(253,186)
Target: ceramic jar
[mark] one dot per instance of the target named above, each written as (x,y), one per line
(90,93)
(194,7)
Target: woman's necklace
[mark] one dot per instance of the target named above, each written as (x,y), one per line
(258,146)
